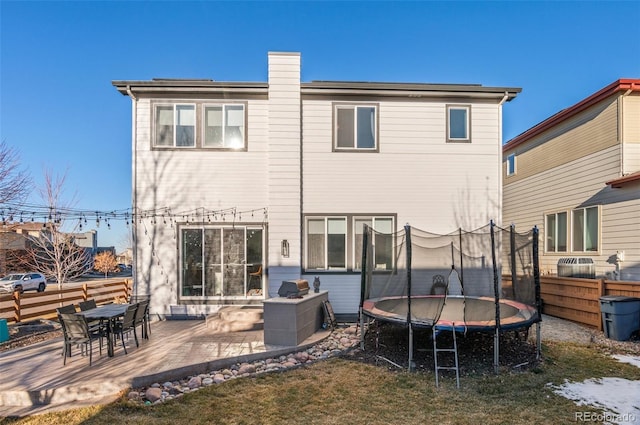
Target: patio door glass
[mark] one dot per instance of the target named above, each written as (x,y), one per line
(219,261)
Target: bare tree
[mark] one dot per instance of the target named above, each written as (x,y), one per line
(14,182)
(105,262)
(55,252)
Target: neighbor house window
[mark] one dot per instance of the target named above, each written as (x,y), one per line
(326,239)
(175,125)
(224,126)
(458,119)
(585,228)
(382,242)
(511,164)
(355,127)
(556,231)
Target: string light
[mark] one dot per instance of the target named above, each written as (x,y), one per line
(162,216)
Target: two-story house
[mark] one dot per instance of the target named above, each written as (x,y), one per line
(238,186)
(576,175)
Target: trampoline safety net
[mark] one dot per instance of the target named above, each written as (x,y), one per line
(488,264)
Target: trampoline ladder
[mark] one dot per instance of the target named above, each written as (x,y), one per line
(453,350)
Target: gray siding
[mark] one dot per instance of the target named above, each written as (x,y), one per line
(527,201)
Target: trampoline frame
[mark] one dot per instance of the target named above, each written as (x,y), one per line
(499,324)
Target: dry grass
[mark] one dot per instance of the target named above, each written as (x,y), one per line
(344,391)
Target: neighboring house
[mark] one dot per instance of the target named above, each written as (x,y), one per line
(576,175)
(88,239)
(15,240)
(238,186)
(125,257)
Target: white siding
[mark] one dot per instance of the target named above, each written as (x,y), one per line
(430,184)
(188,179)
(290,168)
(283,170)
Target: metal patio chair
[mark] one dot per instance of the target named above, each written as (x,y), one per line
(76,332)
(87,305)
(126,325)
(439,286)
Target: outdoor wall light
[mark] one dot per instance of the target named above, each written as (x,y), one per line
(284,248)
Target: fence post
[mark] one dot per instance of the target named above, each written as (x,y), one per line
(17,315)
(601,291)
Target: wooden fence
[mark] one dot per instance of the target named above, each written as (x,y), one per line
(42,305)
(578,300)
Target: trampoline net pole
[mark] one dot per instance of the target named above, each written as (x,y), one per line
(407,230)
(496,290)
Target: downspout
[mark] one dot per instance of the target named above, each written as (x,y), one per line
(502,101)
(134,236)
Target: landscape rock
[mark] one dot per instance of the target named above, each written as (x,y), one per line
(153,394)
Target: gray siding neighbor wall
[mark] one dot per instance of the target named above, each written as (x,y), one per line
(568,162)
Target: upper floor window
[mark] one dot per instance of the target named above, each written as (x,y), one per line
(585,229)
(556,232)
(175,125)
(458,119)
(355,127)
(224,126)
(511,164)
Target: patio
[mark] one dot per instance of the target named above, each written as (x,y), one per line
(35,380)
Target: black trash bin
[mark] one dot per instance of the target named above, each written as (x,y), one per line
(620,316)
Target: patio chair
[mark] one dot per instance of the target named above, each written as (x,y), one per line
(257,275)
(76,332)
(66,309)
(126,325)
(439,286)
(147,316)
(87,305)
(141,318)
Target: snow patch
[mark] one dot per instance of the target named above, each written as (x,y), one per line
(633,360)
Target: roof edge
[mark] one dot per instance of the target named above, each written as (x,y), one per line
(623,84)
(621,181)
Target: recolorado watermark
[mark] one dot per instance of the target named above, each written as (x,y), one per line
(605,417)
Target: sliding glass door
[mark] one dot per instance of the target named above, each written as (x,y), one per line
(222,261)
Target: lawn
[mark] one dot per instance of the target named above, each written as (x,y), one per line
(348,391)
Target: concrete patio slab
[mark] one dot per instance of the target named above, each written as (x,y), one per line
(34,379)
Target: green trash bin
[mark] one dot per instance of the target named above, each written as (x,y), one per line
(4,330)
(620,316)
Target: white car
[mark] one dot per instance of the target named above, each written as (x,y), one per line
(20,282)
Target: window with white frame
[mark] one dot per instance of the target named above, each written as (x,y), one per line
(458,123)
(382,242)
(511,164)
(224,126)
(585,229)
(355,127)
(556,232)
(175,125)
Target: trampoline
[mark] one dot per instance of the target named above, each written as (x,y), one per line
(485,280)
(468,314)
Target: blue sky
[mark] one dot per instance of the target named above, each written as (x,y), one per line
(59,109)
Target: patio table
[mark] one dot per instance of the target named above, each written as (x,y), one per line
(108,313)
